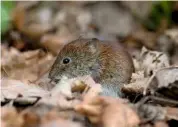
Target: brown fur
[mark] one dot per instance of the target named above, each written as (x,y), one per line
(108,63)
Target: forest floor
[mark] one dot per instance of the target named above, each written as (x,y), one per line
(36,33)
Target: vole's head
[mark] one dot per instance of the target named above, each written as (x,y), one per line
(76,59)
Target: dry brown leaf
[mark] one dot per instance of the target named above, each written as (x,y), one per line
(167,76)
(66,86)
(108,112)
(161,124)
(149,112)
(119,114)
(12,89)
(152,61)
(30,119)
(44,113)
(26,66)
(10,117)
(166,79)
(135,87)
(56,118)
(138,75)
(59,101)
(137,84)
(63,91)
(171,113)
(60,123)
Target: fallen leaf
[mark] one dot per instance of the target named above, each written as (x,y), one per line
(136,87)
(65,86)
(30,119)
(164,82)
(26,66)
(152,61)
(161,124)
(119,114)
(107,111)
(10,117)
(60,123)
(171,113)
(21,92)
(148,112)
(59,101)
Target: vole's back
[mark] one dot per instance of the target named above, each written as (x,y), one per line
(117,63)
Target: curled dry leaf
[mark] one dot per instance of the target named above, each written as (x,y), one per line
(63,91)
(10,117)
(167,76)
(30,119)
(120,114)
(14,89)
(137,83)
(90,97)
(135,87)
(152,61)
(107,111)
(78,84)
(137,76)
(165,81)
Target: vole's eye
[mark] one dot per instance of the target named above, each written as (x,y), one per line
(66,60)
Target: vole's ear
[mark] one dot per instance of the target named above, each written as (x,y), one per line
(93,45)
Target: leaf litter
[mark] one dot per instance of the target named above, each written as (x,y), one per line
(29,99)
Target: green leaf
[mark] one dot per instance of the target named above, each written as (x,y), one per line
(6,10)
(160,10)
